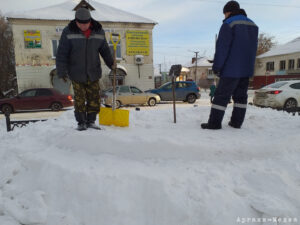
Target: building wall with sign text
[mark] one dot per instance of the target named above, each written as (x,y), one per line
(36,42)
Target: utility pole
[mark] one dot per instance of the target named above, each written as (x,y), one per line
(196,66)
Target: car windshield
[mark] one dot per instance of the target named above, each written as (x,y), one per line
(276,85)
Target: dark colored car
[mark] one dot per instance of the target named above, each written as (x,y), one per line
(38,98)
(186,91)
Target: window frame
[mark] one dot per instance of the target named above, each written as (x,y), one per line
(282,65)
(54,52)
(270,66)
(291,63)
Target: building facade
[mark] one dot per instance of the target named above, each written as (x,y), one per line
(280,63)
(201,72)
(37,33)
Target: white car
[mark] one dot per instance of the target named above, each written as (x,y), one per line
(279,95)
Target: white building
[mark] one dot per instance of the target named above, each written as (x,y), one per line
(37,33)
(201,72)
(282,62)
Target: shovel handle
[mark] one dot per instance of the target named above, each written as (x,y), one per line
(115,43)
(117,37)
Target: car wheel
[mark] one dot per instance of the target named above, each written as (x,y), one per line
(56,106)
(118,104)
(290,103)
(152,102)
(6,109)
(191,98)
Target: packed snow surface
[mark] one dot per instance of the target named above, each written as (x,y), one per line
(154,172)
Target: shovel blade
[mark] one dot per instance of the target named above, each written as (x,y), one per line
(118,117)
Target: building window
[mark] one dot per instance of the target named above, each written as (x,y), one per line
(210,72)
(270,66)
(282,65)
(291,64)
(298,64)
(119,56)
(54,47)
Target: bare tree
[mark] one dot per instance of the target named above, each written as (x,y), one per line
(8,81)
(265,43)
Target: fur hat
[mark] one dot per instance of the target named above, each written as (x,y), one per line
(83,15)
(231,6)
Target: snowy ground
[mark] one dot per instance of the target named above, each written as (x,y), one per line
(153,173)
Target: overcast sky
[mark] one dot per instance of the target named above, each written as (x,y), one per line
(186,26)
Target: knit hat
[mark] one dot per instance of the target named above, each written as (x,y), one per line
(231,6)
(83,15)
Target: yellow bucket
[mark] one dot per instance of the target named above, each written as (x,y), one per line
(118,117)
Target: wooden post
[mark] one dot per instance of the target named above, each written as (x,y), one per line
(174,97)
(8,125)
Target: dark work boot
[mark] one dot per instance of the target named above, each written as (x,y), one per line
(81,119)
(210,126)
(234,125)
(91,118)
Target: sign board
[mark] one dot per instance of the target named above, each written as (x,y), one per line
(175,70)
(137,42)
(32,39)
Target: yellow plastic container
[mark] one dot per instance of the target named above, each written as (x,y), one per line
(118,117)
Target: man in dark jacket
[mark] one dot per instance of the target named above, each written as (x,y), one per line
(78,59)
(234,63)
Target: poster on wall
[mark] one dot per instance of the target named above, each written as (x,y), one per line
(137,42)
(32,39)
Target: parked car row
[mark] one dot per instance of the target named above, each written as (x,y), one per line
(279,95)
(49,98)
(186,91)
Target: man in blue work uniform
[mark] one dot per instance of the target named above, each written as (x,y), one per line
(234,63)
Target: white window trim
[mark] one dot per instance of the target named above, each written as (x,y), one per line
(57,41)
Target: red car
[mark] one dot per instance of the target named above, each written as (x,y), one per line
(37,98)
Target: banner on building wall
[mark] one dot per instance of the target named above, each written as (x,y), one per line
(137,42)
(32,39)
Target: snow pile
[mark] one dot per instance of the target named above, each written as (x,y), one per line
(154,172)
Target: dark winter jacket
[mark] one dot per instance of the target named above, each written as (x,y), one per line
(236,47)
(78,57)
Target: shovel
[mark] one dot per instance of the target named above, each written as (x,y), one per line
(113,116)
